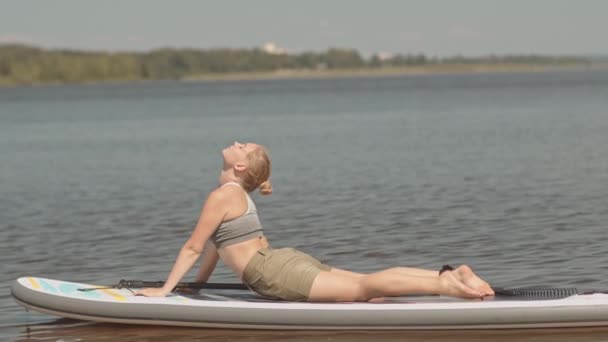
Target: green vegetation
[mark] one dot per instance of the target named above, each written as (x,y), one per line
(24,65)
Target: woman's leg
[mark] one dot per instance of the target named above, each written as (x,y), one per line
(418,272)
(339,286)
(346,273)
(463,273)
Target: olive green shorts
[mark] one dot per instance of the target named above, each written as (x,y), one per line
(284,274)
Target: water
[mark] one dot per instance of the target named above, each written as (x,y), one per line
(505,172)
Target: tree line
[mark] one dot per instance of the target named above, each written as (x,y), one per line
(21,64)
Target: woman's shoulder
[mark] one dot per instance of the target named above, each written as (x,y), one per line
(225,193)
(228,200)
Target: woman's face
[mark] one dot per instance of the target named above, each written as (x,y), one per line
(237,153)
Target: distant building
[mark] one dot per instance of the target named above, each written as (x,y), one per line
(383,56)
(273,49)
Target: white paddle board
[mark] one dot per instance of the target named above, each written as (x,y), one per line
(242,309)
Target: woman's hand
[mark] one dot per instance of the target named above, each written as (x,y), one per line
(152,292)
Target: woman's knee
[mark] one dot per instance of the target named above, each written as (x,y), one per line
(368,289)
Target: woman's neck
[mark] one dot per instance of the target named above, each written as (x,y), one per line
(226,177)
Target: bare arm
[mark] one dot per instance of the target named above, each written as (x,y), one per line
(212,215)
(210,258)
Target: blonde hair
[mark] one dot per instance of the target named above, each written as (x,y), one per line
(257,174)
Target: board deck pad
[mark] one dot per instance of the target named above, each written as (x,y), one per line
(246,309)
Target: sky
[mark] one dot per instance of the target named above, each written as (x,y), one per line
(432,27)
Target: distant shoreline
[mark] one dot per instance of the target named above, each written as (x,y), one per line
(369,72)
(394,71)
(22,65)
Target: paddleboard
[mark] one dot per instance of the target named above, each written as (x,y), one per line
(243,309)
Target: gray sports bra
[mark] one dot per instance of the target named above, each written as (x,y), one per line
(242,228)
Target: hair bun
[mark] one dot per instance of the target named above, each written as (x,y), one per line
(266,188)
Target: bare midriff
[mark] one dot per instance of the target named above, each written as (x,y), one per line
(237,256)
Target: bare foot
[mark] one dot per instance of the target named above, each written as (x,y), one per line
(466,275)
(453,287)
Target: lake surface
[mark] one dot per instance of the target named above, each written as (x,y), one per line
(505,172)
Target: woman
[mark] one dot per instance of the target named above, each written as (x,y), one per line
(229,221)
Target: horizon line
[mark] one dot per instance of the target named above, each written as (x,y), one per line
(292,52)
